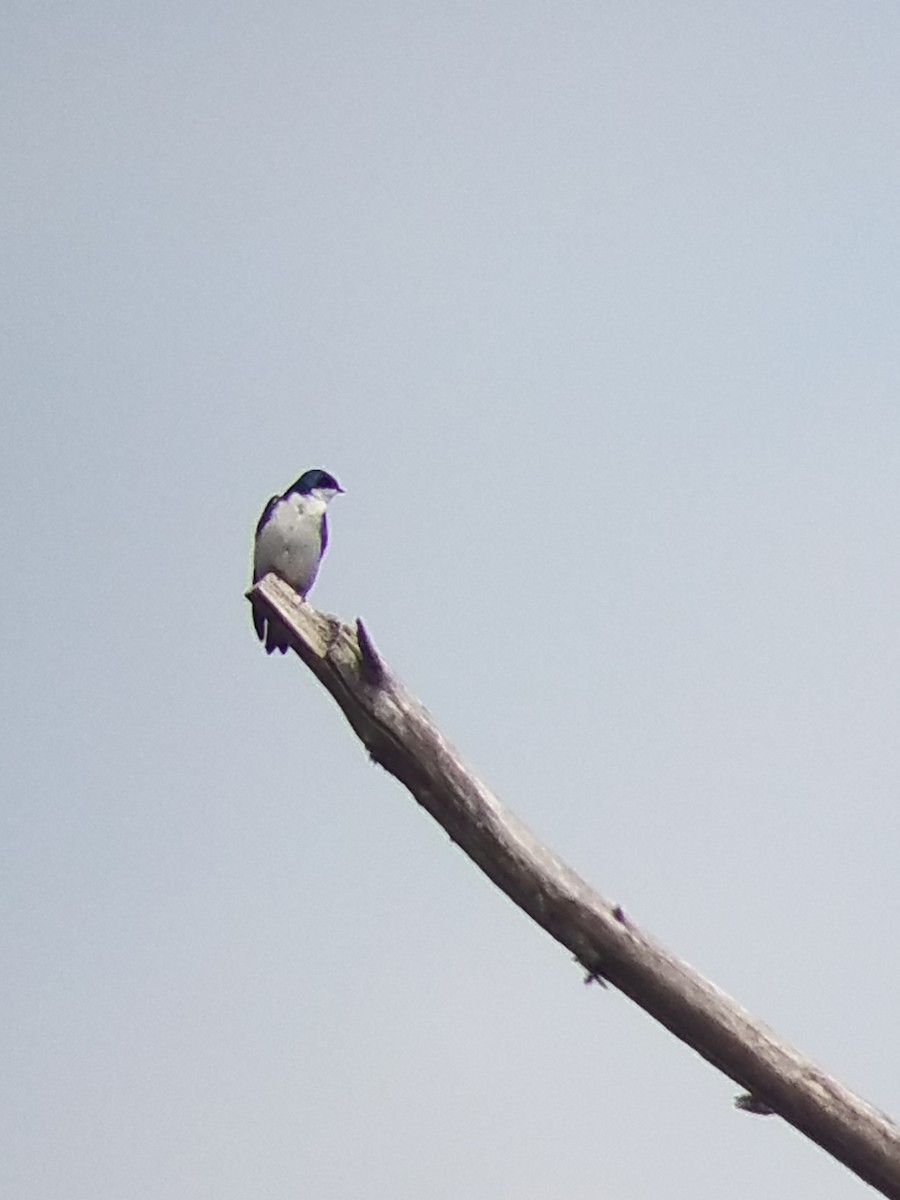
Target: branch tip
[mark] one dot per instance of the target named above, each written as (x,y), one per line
(370,660)
(747,1102)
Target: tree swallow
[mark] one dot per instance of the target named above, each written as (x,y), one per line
(290,540)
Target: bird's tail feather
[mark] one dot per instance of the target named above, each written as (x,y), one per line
(270,631)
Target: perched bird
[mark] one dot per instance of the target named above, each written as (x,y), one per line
(290,540)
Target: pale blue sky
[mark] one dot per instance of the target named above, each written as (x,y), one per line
(593,309)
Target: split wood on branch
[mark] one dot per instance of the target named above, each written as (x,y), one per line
(400,735)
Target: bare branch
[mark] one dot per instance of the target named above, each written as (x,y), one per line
(400,735)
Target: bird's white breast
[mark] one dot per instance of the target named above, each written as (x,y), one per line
(290,543)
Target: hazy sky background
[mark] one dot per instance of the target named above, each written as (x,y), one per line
(593,309)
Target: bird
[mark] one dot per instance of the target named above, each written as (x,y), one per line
(291,538)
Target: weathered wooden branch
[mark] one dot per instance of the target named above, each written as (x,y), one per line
(400,735)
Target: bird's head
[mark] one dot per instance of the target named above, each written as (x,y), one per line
(317,483)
